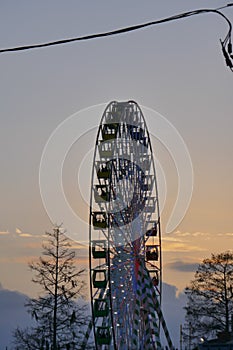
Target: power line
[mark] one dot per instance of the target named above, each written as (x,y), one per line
(226,43)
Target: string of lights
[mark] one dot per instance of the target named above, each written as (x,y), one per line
(226,43)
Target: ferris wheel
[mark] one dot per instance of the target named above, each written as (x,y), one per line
(125,235)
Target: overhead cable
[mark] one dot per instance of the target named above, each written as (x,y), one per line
(225,43)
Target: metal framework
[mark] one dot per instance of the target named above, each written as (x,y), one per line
(125,235)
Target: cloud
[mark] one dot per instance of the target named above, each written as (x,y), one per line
(23,234)
(181,234)
(26,235)
(190,234)
(13,314)
(175,245)
(24,259)
(227,234)
(201,234)
(182,266)
(173,311)
(172,239)
(206,235)
(79,246)
(3,233)
(32,245)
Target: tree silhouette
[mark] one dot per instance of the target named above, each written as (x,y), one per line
(59,321)
(210,297)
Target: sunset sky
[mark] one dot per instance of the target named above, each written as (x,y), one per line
(176,69)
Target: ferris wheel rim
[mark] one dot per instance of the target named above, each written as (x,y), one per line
(91,206)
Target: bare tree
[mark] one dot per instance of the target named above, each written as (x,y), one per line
(59,321)
(210,297)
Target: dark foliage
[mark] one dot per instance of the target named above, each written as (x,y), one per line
(59,320)
(210,298)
